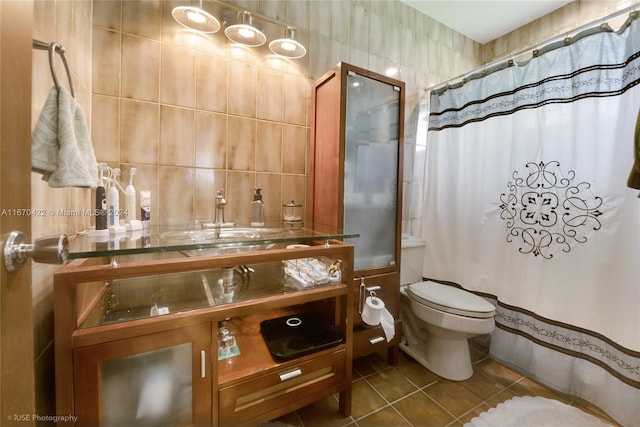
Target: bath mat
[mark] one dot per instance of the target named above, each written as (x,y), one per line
(536,411)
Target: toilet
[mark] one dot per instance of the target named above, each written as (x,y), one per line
(438,319)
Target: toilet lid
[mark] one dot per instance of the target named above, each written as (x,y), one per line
(450,299)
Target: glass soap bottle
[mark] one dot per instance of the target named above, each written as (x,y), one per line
(257,209)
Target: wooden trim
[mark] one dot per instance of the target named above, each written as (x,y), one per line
(17,382)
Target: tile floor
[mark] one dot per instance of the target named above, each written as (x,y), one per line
(410,395)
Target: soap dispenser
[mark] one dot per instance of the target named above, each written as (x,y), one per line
(257,209)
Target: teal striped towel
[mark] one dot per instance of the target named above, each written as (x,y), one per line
(61,147)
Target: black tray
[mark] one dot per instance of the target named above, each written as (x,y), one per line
(293,336)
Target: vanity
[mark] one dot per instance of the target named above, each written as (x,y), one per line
(185,327)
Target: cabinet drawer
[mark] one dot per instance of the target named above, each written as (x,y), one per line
(246,400)
(371,339)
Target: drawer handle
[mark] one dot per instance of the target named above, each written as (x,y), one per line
(289,375)
(376,340)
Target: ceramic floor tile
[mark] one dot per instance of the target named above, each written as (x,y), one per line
(419,398)
(391,384)
(422,411)
(324,413)
(386,417)
(528,387)
(483,407)
(370,364)
(482,386)
(416,373)
(453,397)
(365,399)
(497,372)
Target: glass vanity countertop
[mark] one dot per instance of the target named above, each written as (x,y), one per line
(144,297)
(197,240)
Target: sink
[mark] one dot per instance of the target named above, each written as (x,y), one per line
(224,233)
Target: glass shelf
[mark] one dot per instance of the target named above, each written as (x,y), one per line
(144,297)
(197,240)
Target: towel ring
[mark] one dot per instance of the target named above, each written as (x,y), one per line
(54,47)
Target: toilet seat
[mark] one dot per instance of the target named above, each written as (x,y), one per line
(450,300)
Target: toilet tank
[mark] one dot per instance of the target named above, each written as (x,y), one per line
(412,257)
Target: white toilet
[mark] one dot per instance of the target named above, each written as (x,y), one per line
(438,319)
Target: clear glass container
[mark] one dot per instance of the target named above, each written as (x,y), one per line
(292,216)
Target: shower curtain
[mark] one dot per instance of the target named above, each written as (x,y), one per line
(527,204)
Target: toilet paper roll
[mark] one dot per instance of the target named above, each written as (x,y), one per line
(375,313)
(372,311)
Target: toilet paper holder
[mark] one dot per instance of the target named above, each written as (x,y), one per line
(362,294)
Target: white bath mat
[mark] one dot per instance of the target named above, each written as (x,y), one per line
(537,411)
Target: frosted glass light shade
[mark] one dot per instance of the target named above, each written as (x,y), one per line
(196,18)
(287,46)
(244,32)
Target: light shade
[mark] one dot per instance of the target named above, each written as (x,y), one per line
(244,32)
(196,18)
(287,46)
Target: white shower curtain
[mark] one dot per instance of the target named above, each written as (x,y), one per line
(526,203)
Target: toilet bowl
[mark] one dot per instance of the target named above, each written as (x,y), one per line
(437,321)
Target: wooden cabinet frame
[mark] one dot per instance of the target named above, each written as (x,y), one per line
(79,286)
(326,188)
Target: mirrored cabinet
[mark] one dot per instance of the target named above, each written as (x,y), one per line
(356,182)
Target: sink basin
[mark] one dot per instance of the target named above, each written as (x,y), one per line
(224,233)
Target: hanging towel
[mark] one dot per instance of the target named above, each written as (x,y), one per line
(61,148)
(634,176)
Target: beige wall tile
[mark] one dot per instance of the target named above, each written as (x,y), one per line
(211,140)
(360,27)
(177,136)
(242,89)
(294,143)
(205,195)
(269,95)
(241,146)
(140,68)
(105,77)
(176,196)
(296,99)
(105,134)
(269,147)
(139,132)
(239,195)
(178,76)
(142,18)
(212,84)
(106,13)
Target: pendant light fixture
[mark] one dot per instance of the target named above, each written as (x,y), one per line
(287,46)
(239,27)
(244,32)
(196,18)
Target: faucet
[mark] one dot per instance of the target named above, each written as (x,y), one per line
(220,204)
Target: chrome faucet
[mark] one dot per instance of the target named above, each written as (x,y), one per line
(221,202)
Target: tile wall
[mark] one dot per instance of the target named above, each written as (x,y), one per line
(195,114)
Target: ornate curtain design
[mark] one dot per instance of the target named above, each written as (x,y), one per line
(527,203)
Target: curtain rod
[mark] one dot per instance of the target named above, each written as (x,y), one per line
(508,60)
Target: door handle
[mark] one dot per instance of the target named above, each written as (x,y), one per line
(46,250)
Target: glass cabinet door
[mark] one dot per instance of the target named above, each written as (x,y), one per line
(154,380)
(371,169)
